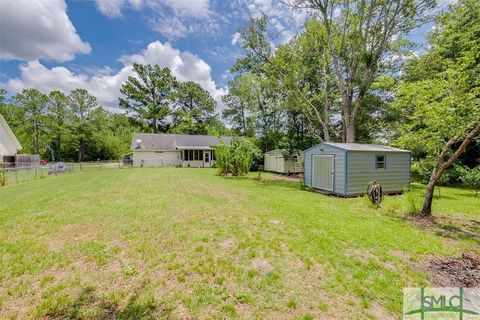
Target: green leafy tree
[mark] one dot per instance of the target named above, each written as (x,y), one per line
(236,158)
(361,36)
(195,109)
(33,104)
(3,100)
(57,121)
(440,97)
(149,94)
(81,105)
(471,178)
(303,66)
(261,92)
(238,106)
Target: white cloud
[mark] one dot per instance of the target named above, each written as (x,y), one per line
(235,38)
(110,8)
(190,8)
(36,29)
(105,85)
(284,21)
(113,8)
(172,18)
(170,27)
(184,65)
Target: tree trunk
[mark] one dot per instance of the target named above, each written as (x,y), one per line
(155,124)
(441,166)
(427,203)
(59,148)
(350,130)
(80,151)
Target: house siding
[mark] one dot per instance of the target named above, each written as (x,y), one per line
(339,165)
(157,158)
(7,145)
(361,168)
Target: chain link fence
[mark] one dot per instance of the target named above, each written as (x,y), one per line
(12,173)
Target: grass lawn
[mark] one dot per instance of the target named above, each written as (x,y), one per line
(185,243)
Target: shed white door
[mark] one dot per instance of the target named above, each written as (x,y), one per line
(322,172)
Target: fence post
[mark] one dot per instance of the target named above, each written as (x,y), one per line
(3,177)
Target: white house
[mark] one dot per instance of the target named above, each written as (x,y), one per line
(9,144)
(156,150)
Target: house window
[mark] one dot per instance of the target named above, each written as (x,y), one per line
(213,154)
(380,162)
(185,155)
(196,154)
(190,155)
(200,155)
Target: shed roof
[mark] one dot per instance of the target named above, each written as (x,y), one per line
(166,142)
(364,147)
(282,152)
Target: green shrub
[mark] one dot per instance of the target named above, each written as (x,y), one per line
(471,178)
(412,205)
(236,158)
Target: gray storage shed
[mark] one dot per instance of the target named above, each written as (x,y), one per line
(345,169)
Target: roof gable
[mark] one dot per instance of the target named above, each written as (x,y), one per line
(6,127)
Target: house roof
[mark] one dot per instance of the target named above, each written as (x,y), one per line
(4,124)
(364,147)
(171,142)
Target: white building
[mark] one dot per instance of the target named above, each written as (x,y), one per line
(9,144)
(179,150)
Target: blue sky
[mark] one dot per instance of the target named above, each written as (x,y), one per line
(58,44)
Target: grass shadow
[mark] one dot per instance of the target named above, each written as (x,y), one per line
(269,181)
(89,305)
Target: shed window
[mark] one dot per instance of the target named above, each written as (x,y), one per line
(380,162)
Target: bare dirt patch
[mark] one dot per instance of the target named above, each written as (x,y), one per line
(454,272)
(287,178)
(448,227)
(261,265)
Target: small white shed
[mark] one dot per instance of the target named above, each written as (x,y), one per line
(281,161)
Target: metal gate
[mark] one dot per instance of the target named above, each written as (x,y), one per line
(322,172)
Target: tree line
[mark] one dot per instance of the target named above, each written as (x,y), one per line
(74,127)
(349,75)
(65,127)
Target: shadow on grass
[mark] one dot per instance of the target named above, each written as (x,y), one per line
(449,228)
(466,232)
(88,305)
(272,181)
